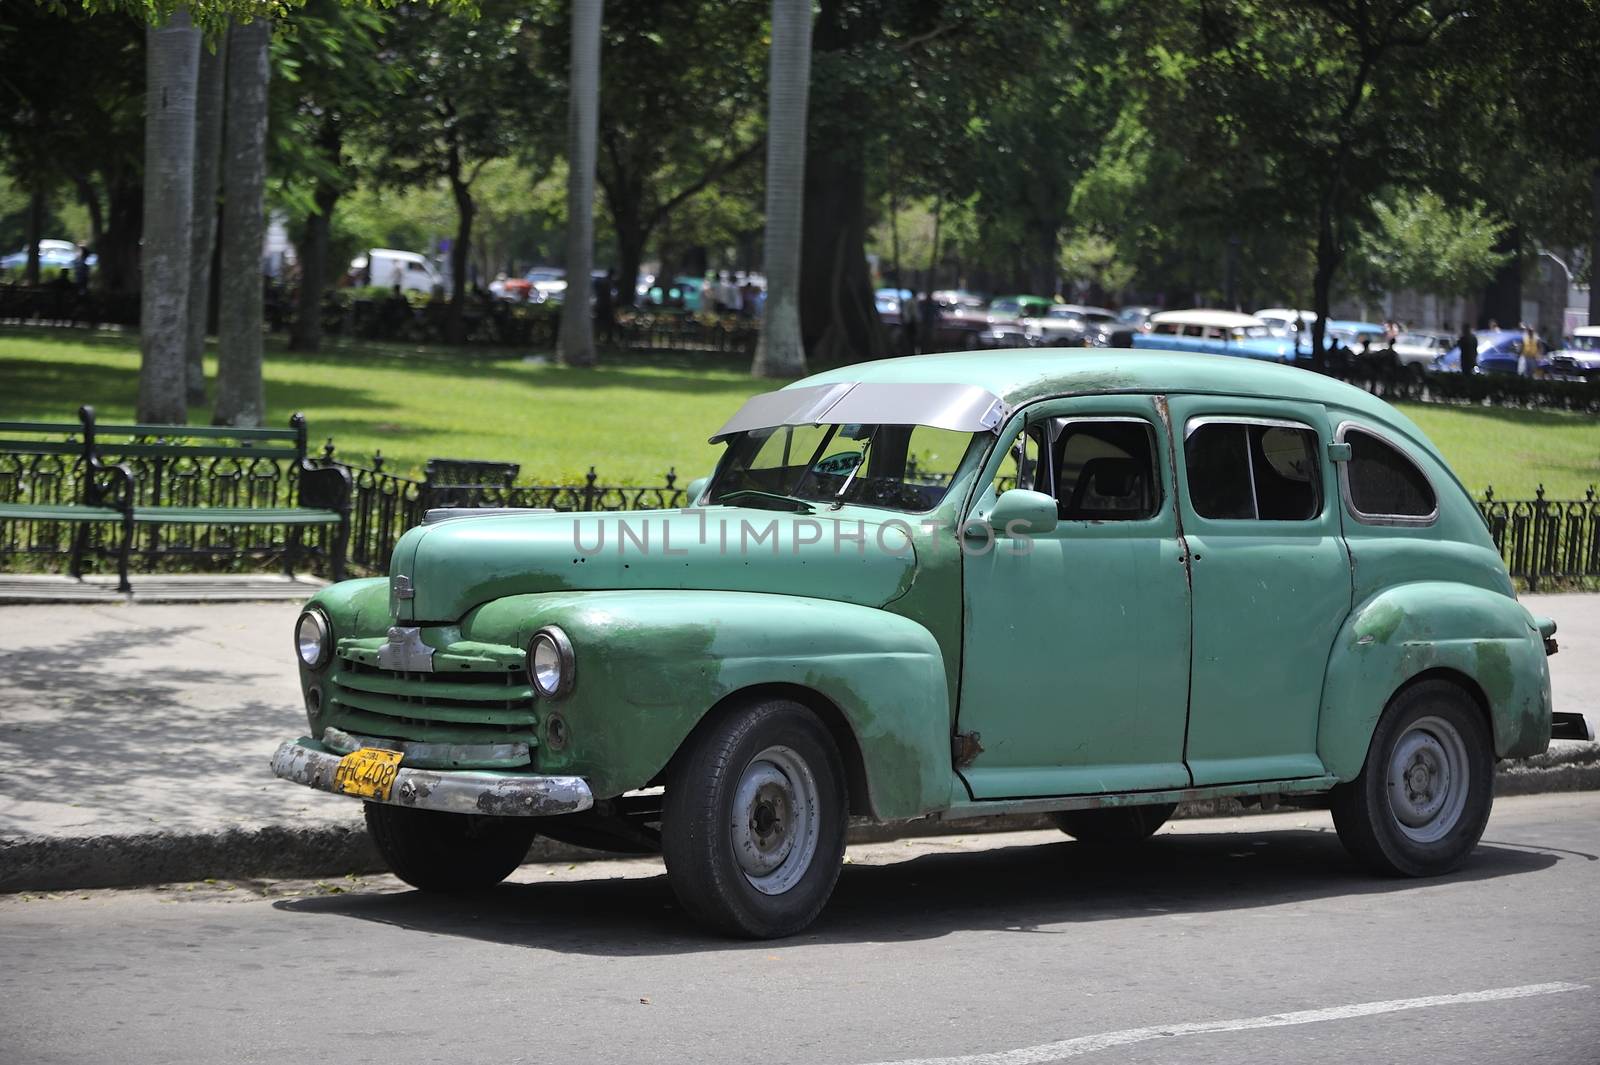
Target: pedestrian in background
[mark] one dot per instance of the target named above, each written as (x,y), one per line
(1527,352)
(1467,343)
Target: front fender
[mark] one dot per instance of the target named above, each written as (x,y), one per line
(650,664)
(1409,629)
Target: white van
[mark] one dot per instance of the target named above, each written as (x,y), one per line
(387,267)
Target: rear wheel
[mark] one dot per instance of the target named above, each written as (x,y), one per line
(1420,804)
(1116,826)
(753,823)
(436,851)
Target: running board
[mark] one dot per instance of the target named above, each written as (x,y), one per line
(990,807)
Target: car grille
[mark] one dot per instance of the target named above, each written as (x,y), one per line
(477,706)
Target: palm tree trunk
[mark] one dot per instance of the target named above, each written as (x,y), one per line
(241,400)
(780,351)
(203,224)
(576,343)
(171,67)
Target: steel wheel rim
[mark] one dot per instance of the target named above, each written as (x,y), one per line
(775,820)
(1428,779)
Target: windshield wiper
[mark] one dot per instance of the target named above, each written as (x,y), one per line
(768,500)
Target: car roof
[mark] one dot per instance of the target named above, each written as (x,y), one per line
(1353,326)
(1202,316)
(1587,331)
(1020,376)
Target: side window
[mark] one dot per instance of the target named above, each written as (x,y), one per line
(1253,471)
(1106,470)
(1383,483)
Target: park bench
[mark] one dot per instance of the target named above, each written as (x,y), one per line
(64,463)
(166,470)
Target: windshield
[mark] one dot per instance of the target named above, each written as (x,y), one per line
(1584,344)
(897,467)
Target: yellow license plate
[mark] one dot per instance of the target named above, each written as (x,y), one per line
(369,773)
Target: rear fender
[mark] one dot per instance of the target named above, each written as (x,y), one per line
(1398,635)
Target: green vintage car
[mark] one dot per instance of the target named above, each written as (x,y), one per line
(1088,583)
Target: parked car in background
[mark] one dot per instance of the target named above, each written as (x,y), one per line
(1216,333)
(1420,348)
(1069,325)
(1352,333)
(1018,307)
(549,282)
(54,255)
(1579,358)
(1092,584)
(1498,352)
(388,267)
(1136,316)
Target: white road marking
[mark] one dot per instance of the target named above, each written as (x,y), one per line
(1088,1044)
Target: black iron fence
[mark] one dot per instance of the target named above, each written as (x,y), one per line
(1546,541)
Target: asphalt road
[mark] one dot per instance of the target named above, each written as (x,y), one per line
(1223,941)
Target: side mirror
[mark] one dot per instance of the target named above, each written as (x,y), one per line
(696,489)
(1020,512)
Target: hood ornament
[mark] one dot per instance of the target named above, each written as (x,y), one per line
(402,586)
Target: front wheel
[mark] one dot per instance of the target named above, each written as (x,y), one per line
(435,851)
(1116,826)
(1420,804)
(753,821)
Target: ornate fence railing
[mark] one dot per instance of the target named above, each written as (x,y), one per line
(1546,540)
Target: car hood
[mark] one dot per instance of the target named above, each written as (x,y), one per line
(460,563)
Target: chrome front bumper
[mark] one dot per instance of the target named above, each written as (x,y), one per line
(305,761)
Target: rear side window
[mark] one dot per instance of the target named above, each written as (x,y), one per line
(1253,471)
(1382,483)
(1106,471)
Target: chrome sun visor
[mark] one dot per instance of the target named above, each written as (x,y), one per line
(963,408)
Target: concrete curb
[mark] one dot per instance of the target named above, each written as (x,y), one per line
(46,863)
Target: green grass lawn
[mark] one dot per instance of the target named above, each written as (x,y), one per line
(631,418)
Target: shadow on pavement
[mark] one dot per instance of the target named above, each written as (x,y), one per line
(1019,889)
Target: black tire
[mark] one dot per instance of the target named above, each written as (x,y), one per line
(1115,826)
(435,851)
(710,874)
(1382,815)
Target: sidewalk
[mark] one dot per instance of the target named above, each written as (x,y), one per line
(136,736)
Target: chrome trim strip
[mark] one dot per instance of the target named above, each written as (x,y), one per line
(456,792)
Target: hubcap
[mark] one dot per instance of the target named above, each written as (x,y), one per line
(1428,779)
(775,819)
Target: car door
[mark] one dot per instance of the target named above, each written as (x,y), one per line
(1270,583)
(1076,642)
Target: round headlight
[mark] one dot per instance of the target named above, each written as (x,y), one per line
(550,665)
(313,639)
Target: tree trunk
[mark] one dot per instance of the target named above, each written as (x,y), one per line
(118,269)
(781,349)
(307,332)
(241,398)
(576,343)
(1502,296)
(91,203)
(1594,236)
(838,316)
(172,64)
(35,227)
(460,252)
(208,106)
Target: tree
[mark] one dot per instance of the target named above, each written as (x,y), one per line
(330,86)
(241,396)
(211,86)
(781,350)
(684,118)
(583,116)
(470,97)
(1420,242)
(173,63)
